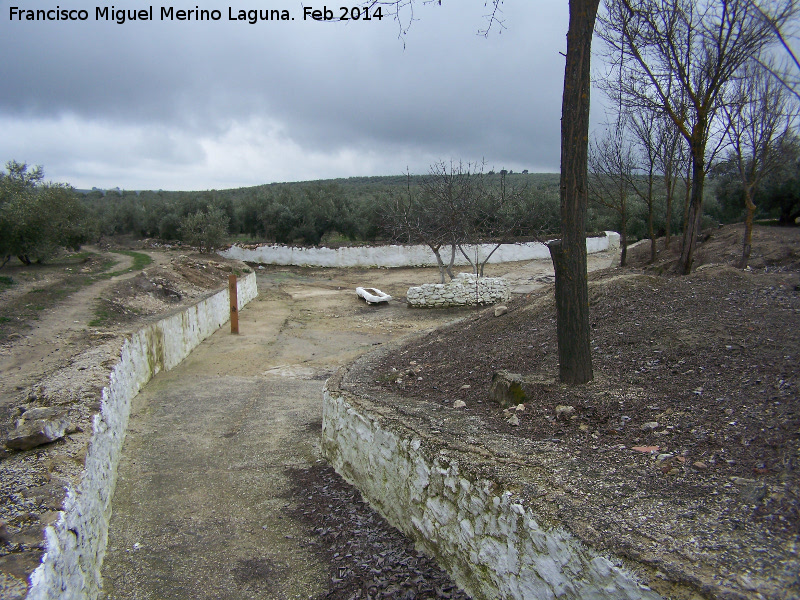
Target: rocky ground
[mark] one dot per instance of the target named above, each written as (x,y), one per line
(691,362)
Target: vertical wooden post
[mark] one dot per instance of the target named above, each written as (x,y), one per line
(234,303)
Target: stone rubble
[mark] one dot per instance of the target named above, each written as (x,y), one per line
(466,289)
(39,426)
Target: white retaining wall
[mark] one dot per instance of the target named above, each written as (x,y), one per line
(76,543)
(464,290)
(490,543)
(399,256)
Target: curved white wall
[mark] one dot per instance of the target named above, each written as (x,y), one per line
(489,541)
(399,256)
(76,543)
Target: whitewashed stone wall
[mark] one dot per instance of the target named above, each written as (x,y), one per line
(491,544)
(399,256)
(465,290)
(76,543)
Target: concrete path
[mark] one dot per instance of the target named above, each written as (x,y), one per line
(202,504)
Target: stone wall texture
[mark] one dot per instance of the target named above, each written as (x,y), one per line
(76,542)
(466,289)
(484,536)
(399,256)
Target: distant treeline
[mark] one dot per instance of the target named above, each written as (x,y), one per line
(306,213)
(336,210)
(37,218)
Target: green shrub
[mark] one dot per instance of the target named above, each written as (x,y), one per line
(36,218)
(205,229)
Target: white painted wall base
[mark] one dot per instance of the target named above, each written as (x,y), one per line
(76,543)
(398,256)
(491,544)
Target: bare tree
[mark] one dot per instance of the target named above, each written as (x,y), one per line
(760,114)
(611,164)
(644,127)
(689,50)
(455,194)
(412,217)
(403,13)
(788,74)
(454,206)
(496,217)
(671,155)
(569,253)
(657,141)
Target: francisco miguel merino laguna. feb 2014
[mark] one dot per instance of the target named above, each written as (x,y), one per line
(165,13)
(170,13)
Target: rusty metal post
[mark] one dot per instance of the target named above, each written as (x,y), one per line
(234,303)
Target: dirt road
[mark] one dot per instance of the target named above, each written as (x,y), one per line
(60,332)
(204,504)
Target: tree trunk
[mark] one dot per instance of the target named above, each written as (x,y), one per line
(623,241)
(653,249)
(688,196)
(748,228)
(483,264)
(569,253)
(469,260)
(650,229)
(670,185)
(695,212)
(452,262)
(439,260)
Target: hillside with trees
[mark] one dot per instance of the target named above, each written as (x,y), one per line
(37,217)
(351,210)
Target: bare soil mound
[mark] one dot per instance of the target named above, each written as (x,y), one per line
(156,290)
(695,401)
(774,249)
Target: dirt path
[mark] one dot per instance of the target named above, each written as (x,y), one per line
(61,332)
(204,505)
(56,337)
(203,499)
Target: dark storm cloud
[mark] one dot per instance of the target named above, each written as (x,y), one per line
(328,88)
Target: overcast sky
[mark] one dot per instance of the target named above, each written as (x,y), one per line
(194,105)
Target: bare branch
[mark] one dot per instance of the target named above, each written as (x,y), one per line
(493,18)
(681,58)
